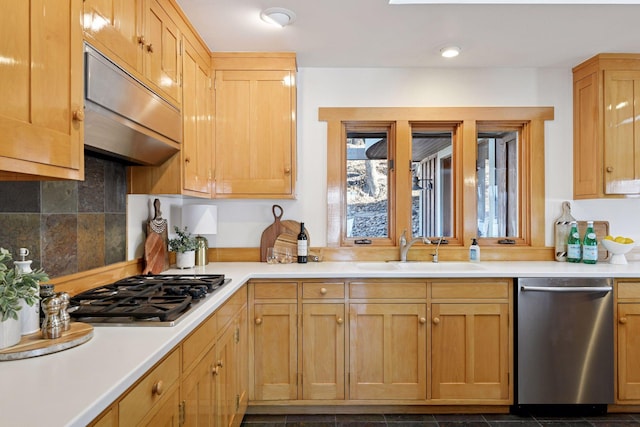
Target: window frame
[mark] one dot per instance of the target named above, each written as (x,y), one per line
(531,154)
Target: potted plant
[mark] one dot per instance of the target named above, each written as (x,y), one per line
(184,245)
(14,287)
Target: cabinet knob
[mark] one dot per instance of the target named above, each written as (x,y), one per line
(340,320)
(323,291)
(258,321)
(436,320)
(609,169)
(220,364)
(150,48)
(287,171)
(78,115)
(141,40)
(187,159)
(214,370)
(423,320)
(158,388)
(623,320)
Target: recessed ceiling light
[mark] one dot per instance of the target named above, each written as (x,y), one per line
(278,16)
(450,51)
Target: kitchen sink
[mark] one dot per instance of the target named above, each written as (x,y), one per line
(426,266)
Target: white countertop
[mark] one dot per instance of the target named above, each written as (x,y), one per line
(72,387)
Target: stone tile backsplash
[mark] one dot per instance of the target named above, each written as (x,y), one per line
(69,226)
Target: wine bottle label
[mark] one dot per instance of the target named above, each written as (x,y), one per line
(302,248)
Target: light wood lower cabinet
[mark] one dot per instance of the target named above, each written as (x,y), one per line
(471,345)
(628,342)
(413,341)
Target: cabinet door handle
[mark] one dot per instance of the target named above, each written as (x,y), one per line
(423,320)
(258,321)
(78,115)
(623,320)
(141,40)
(609,169)
(220,363)
(323,291)
(214,370)
(158,388)
(436,320)
(339,320)
(187,159)
(150,48)
(287,171)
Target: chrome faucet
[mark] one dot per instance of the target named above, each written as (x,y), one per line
(404,246)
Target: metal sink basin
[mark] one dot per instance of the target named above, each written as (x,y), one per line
(417,266)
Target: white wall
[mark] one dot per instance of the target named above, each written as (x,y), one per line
(240,223)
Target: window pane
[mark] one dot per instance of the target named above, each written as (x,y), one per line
(432,173)
(367,184)
(497,179)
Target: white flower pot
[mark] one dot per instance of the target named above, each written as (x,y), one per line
(186,259)
(10,332)
(29,317)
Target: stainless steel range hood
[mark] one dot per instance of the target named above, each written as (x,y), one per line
(124,118)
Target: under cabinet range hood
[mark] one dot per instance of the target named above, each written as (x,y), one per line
(124,118)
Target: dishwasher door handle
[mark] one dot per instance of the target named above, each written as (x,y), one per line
(566,288)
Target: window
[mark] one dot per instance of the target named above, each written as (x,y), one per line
(457,173)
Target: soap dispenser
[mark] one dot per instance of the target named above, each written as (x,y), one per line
(474,251)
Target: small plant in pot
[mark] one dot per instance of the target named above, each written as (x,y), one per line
(184,245)
(14,287)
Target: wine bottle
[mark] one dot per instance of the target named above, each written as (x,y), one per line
(302,245)
(590,245)
(574,250)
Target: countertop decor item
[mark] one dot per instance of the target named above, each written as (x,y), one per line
(184,245)
(156,257)
(562,227)
(201,219)
(617,250)
(33,345)
(271,233)
(15,286)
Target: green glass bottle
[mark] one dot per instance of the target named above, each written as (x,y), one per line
(590,245)
(574,250)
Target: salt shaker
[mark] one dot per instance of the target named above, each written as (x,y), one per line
(65,319)
(52,326)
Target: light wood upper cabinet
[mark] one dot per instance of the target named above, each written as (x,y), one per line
(161,48)
(606,92)
(255,126)
(113,27)
(41,86)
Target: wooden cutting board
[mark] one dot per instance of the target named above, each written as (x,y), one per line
(563,225)
(156,254)
(271,233)
(289,237)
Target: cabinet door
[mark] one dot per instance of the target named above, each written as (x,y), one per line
(242,362)
(162,50)
(622,132)
(198,393)
(167,414)
(470,351)
(323,335)
(587,155)
(112,26)
(387,351)
(275,348)
(226,380)
(196,116)
(628,351)
(41,88)
(254,133)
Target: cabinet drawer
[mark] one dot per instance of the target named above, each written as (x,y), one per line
(628,290)
(388,290)
(287,290)
(323,290)
(149,391)
(476,289)
(196,343)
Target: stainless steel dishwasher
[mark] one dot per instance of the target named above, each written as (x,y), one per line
(564,341)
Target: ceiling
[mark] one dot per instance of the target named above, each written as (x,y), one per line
(372,33)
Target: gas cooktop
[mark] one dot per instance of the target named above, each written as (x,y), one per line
(153,300)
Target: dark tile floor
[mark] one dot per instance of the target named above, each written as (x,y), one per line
(449,420)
